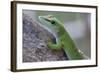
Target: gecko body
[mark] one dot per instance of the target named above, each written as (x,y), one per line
(63,38)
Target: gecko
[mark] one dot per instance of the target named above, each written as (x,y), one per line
(64,40)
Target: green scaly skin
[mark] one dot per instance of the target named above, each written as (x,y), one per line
(63,38)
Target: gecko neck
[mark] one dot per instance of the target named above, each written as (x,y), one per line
(61,31)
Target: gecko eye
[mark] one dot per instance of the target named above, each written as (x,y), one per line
(52,22)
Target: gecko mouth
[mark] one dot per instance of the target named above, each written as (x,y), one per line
(43,18)
(47,19)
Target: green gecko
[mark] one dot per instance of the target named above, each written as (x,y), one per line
(63,38)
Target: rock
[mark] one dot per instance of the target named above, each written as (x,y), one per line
(35,40)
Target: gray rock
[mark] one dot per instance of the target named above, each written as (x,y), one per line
(35,40)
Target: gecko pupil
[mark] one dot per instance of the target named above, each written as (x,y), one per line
(53,22)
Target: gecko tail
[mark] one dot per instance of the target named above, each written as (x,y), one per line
(85,57)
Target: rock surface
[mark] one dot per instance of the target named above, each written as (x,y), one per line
(35,38)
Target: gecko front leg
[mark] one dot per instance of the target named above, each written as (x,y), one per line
(55,46)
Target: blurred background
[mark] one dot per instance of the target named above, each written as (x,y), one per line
(77,24)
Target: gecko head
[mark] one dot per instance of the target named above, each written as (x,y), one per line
(49,18)
(49,21)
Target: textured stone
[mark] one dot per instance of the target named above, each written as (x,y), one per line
(35,40)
